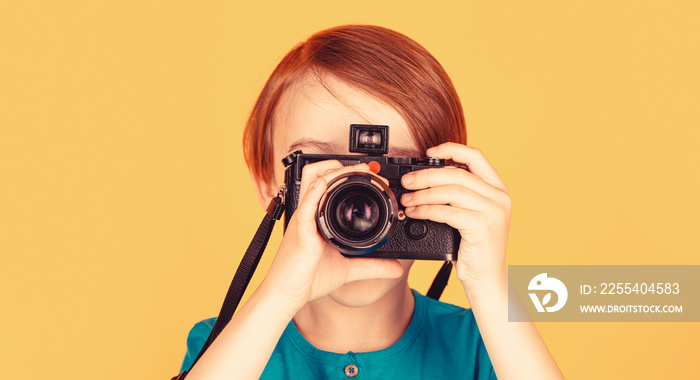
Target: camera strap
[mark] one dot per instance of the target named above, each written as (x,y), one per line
(440,281)
(244,273)
(249,263)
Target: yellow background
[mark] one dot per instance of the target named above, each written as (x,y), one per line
(126,205)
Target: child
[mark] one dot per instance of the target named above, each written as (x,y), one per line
(318,314)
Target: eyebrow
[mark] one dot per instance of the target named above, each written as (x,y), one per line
(321,146)
(330,148)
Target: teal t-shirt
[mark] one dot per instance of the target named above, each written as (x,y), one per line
(442,341)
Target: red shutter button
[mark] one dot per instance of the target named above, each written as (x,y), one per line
(374,166)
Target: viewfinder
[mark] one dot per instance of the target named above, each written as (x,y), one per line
(367,138)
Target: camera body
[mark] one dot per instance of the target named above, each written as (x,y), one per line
(360,214)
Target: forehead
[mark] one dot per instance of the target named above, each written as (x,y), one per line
(315,117)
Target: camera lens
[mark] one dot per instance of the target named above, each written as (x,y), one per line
(358,213)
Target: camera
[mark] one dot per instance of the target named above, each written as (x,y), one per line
(360,214)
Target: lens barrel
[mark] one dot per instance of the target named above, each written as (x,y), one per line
(358,213)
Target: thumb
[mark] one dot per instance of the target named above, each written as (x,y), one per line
(306,211)
(360,268)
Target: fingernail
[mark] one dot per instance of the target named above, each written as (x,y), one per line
(409,178)
(407,198)
(409,209)
(360,166)
(431,151)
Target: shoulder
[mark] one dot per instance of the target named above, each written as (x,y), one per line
(202,327)
(444,316)
(449,326)
(195,341)
(453,336)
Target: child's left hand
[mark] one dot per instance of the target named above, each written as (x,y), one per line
(475,202)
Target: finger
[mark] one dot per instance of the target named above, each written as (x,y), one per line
(454,195)
(331,174)
(473,158)
(328,171)
(455,217)
(360,268)
(310,172)
(305,212)
(334,173)
(434,177)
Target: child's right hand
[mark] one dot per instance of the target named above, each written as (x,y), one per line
(305,267)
